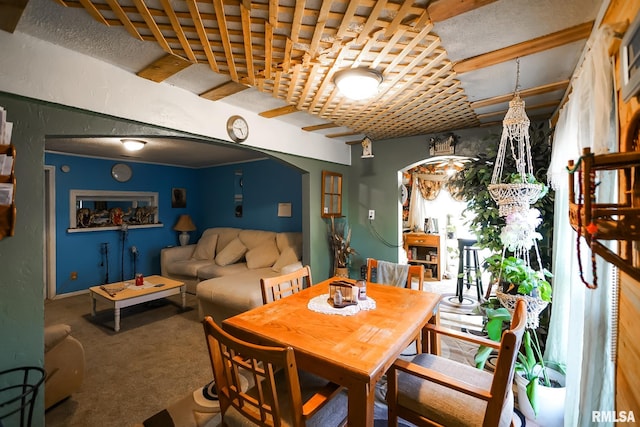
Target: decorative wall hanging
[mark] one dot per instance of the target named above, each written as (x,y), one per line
(438,147)
(367,148)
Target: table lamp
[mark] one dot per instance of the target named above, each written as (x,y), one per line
(184,225)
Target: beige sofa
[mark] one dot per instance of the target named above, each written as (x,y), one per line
(225,266)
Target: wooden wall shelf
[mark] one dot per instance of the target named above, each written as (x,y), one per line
(608,221)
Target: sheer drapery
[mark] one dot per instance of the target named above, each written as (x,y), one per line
(581,325)
(417,206)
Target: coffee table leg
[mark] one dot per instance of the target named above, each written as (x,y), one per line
(183,293)
(93,304)
(116,318)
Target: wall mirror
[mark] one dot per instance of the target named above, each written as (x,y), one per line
(331,194)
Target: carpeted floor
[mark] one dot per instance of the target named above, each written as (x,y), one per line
(159,358)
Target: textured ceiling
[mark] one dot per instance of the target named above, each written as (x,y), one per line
(447,64)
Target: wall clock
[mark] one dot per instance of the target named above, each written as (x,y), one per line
(121,172)
(237,128)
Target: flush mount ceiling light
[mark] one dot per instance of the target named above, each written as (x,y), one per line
(133,144)
(358,83)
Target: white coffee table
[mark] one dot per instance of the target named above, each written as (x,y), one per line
(125,294)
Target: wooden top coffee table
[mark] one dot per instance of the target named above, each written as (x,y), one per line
(126,294)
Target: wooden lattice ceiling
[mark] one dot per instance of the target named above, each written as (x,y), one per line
(291,50)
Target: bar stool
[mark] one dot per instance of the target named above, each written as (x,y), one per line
(468,263)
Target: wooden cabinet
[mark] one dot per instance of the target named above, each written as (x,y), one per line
(425,249)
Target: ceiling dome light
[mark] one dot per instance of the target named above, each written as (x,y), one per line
(133,144)
(358,83)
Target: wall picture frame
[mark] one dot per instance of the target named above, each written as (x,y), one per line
(178,197)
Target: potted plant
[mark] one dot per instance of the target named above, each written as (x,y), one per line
(341,247)
(517,277)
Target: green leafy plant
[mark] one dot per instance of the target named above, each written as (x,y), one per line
(530,365)
(519,277)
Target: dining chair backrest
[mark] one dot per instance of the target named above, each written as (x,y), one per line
(277,287)
(275,397)
(414,271)
(434,390)
(506,363)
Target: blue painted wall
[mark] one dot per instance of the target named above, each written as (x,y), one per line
(210,202)
(265,183)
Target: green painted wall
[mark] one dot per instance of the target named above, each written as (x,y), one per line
(374,183)
(21,281)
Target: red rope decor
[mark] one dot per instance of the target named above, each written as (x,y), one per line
(591,229)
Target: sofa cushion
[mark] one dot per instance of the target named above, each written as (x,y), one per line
(187,267)
(206,247)
(214,270)
(225,236)
(288,256)
(237,293)
(231,253)
(290,240)
(263,255)
(254,238)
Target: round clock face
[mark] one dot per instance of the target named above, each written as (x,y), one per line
(121,172)
(237,128)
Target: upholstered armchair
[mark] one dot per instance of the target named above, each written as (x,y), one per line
(64,363)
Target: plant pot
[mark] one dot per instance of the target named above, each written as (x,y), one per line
(550,400)
(342,272)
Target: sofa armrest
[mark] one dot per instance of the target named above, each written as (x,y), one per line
(54,334)
(173,254)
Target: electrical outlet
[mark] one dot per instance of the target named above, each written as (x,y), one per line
(372,214)
(74,275)
(134,250)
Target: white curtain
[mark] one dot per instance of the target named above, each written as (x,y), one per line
(417,206)
(581,326)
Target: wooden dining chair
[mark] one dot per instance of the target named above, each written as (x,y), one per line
(435,391)
(278,394)
(275,288)
(415,271)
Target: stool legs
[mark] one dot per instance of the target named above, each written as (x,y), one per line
(469,273)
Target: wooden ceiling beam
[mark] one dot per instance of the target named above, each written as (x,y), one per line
(10,13)
(440,10)
(340,135)
(164,68)
(178,30)
(320,127)
(529,47)
(551,87)
(124,19)
(282,111)
(223,90)
(202,34)
(529,108)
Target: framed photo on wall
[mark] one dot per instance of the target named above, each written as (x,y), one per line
(179,198)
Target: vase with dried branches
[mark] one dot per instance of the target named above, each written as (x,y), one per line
(340,239)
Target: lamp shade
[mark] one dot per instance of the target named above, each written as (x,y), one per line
(184,224)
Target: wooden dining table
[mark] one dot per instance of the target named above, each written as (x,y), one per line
(354,351)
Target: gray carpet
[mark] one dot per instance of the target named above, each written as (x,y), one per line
(158,357)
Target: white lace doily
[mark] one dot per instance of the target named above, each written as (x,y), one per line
(321,304)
